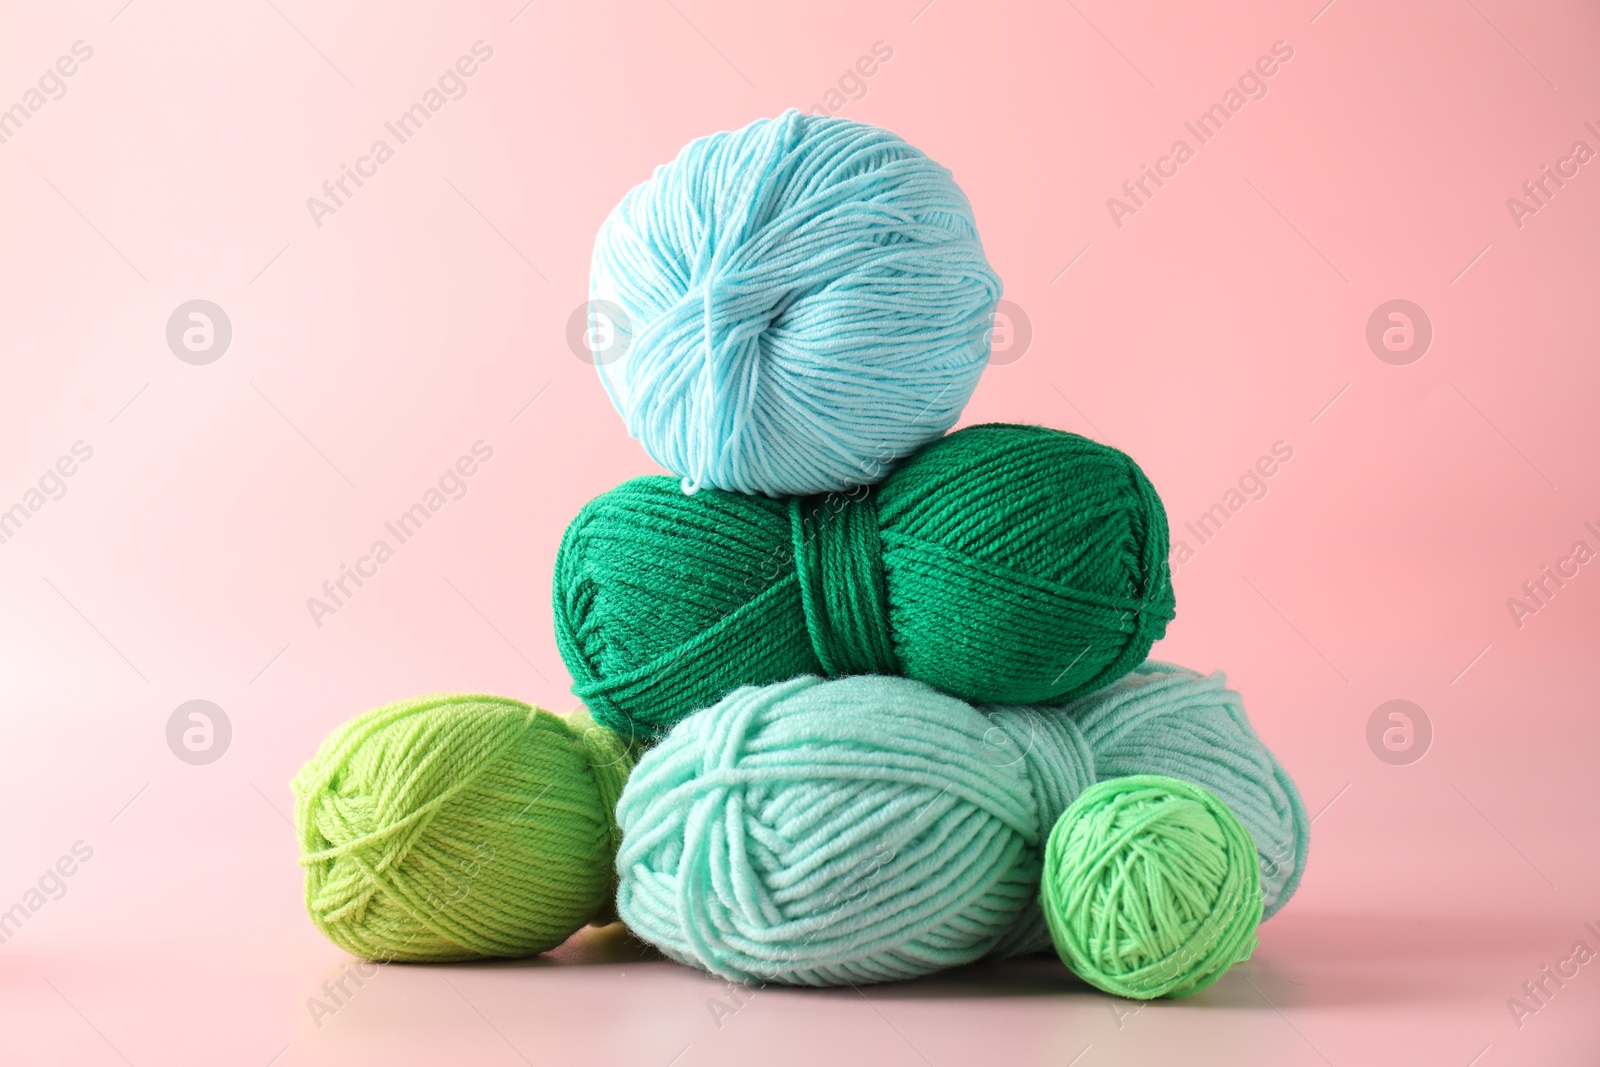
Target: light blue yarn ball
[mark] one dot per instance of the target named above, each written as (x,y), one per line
(803,301)
(1169,720)
(861,830)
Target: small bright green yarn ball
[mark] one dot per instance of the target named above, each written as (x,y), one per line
(1151,887)
(454,827)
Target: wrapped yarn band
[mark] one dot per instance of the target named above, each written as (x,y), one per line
(839,565)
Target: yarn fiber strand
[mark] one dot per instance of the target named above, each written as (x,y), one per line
(1005,564)
(803,301)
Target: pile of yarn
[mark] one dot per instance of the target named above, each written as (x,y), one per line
(870,700)
(867,829)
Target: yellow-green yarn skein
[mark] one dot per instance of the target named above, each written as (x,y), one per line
(454,827)
(1151,887)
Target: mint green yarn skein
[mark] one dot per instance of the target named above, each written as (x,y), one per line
(802,301)
(873,829)
(455,827)
(1150,887)
(867,829)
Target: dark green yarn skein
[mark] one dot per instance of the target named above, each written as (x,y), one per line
(1002,564)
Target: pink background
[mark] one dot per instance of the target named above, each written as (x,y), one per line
(429,312)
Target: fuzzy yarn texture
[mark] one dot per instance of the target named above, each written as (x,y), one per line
(1150,887)
(802,301)
(1168,720)
(870,829)
(1001,564)
(860,830)
(459,826)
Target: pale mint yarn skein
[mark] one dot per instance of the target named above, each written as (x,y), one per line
(866,829)
(872,829)
(803,301)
